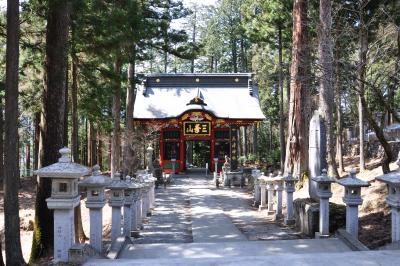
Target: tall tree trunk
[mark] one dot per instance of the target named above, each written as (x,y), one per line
(361,76)
(326,98)
(11,170)
(36,141)
(281,116)
(116,109)
(92,143)
(74,111)
(211,64)
(130,100)
(234,55)
(65,140)
(100,153)
(28,158)
(1,143)
(52,127)
(299,107)
(339,128)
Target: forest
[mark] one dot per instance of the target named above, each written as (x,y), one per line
(70,71)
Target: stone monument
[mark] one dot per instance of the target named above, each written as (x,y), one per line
(316,152)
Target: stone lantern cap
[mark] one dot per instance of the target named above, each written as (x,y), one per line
(96,179)
(150,149)
(352,180)
(262,178)
(323,178)
(64,168)
(117,183)
(392,178)
(289,177)
(132,184)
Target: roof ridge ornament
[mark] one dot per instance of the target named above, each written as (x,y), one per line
(197,99)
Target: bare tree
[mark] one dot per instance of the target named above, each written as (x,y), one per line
(299,107)
(11,169)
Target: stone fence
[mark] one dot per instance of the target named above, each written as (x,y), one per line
(268,196)
(131,200)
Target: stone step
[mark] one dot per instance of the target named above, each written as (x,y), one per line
(349,258)
(232,249)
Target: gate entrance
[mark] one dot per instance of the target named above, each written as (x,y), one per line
(198,154)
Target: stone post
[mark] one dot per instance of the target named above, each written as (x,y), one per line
(215,168)
(139,211)
(271,190)
(262,185)
(149,155)
(129,205)
(173,161)
(95,201)
(289,188)
(255,173)
(116,202)
(278,189)
(324,193)
(64,198)
(392,179)
(352,199)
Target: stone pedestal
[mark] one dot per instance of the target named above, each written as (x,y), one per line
(139,211)
(96,226)
(128,217)
(278,189)
(64,228)
(289,182)
(263,201)
(271,190)
(116,202)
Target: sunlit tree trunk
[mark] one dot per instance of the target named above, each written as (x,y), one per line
(299,105)
(281,116)
(326,98)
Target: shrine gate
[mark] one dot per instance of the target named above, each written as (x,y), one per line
(198,107)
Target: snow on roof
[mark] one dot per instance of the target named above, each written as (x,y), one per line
(225,95)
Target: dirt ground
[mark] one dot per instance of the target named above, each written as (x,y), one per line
(374,213)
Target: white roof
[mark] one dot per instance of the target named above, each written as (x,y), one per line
(223,102)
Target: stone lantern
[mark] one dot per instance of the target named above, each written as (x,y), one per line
(116,201)
(95,201)
(392,180)
(64,198)
(129,193)
(149,156)
(289,182)
(324,193)
(261,180)
(352,199)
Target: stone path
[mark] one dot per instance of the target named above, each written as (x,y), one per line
(193,210)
